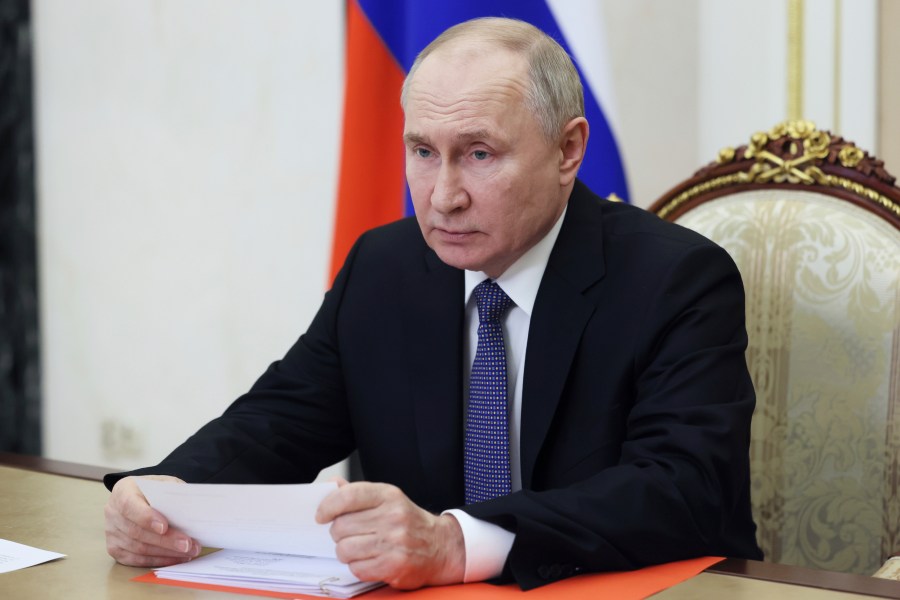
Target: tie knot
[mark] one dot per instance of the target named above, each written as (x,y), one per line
(492,301)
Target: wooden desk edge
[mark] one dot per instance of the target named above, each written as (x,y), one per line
(828,580)
(754,569)
(57,467)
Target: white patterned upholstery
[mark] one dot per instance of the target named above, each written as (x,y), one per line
(823,318)
(822,277)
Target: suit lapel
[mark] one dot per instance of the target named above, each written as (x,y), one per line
(433,338)
(561,312)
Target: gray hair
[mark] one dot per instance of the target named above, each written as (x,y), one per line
(554,95)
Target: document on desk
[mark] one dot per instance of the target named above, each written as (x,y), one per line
(14,556)
(271,572)
(268,533)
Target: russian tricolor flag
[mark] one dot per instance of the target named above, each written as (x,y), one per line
(383,39)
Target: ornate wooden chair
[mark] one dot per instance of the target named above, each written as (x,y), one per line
(813,223)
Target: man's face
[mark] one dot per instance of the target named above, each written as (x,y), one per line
(484,180)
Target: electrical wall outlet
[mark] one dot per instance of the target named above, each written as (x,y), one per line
(119,440)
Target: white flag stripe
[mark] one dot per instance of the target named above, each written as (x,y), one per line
(584,27)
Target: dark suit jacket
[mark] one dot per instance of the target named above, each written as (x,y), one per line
(636,402)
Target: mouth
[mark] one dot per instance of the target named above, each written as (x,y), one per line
(453,235)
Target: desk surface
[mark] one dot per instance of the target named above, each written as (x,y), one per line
(65,514)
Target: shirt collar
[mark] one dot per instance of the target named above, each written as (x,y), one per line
(523,278)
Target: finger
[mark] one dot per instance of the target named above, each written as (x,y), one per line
(147,562)
(368,569)
(340,481)
(355,548)
(133,527)
(394,515)
(388,518)
(389,570)
(355,524)
(129,512)
(333,504)
(124,534)
(355,497)
(129,551)
(141,558)
(128,500)
(127,508)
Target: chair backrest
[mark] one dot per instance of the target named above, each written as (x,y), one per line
(813,223)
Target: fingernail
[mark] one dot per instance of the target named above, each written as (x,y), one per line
(183,546)
(158,527)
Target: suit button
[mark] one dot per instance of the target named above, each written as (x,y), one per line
(543,572)
(556,572)
(568,570)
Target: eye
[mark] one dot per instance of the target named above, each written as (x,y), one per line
(480,155)
(422,152)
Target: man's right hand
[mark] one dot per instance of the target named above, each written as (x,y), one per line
(139,536)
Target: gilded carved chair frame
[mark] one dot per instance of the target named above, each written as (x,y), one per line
(791,155)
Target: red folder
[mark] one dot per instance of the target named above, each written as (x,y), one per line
(624,585)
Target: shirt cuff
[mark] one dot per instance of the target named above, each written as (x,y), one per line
(487,546)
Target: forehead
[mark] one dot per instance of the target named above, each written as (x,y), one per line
(467,81)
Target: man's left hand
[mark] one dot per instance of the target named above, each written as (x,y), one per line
(383,536)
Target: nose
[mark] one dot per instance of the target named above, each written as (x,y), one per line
(449,194)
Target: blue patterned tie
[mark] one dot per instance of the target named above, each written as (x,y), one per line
(487,428)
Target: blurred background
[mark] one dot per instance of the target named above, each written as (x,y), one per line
(169,173)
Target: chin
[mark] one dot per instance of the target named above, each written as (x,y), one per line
(456,260)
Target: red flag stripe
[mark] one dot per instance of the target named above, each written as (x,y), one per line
(371,180)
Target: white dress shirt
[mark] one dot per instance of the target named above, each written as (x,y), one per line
(488,545)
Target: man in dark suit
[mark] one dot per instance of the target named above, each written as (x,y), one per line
(625,401)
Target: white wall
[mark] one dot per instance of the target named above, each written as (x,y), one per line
(742,71)
(854,113)
(187,154)
(694,76)
(654,46)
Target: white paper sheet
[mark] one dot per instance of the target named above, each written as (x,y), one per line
(273,572)
(14,556)
(262,518)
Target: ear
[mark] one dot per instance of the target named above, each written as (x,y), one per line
(572,144)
